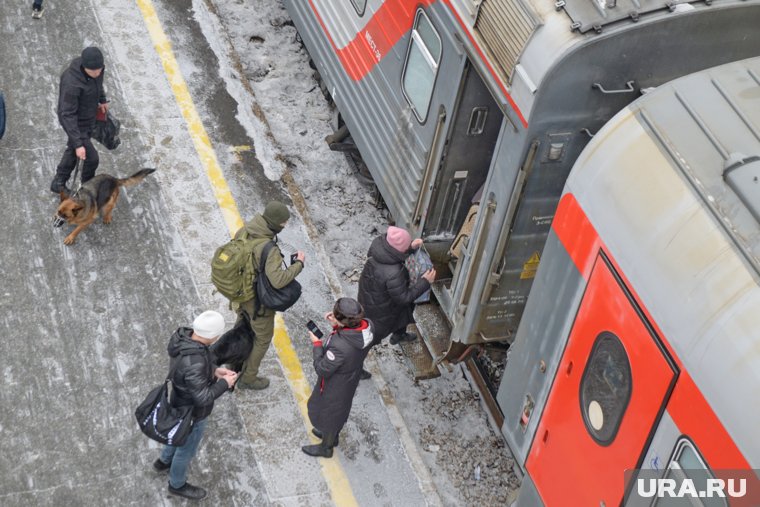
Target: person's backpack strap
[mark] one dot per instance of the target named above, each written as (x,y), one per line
(262,269)
(264,254)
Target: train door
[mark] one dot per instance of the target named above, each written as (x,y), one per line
(611,387)
(473,131)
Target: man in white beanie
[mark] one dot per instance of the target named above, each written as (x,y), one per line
(198,382)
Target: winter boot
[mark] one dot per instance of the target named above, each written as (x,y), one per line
(188,491)
(160,466)
(318,434)
(322,450)
(58,185)
(402,337)
(258,384)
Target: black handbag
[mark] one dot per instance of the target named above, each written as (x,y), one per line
(269,297)
(161,421)
(106,131)
(2,115)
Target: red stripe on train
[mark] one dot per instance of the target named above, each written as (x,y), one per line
(386,27)
(687,405)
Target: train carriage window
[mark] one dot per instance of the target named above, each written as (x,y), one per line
(605,388)
(359,5)
(421,65)
(688,464)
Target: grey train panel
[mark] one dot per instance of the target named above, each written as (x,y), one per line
(567,109)
(394,145)
(658,453)
(529,496)
(549,316)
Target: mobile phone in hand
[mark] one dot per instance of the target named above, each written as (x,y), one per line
(314,329)
(293,258)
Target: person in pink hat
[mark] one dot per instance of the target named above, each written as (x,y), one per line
(385,291)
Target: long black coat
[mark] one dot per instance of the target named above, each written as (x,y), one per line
(193,379)
(338,363)
(78,99)
(384,289)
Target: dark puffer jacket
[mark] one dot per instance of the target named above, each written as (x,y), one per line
(384,289)
(194,381)
(338,364)
(78,99)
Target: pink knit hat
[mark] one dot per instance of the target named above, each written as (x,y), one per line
(398,238)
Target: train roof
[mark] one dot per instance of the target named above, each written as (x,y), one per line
(709,125)
(524,39)
(671,186)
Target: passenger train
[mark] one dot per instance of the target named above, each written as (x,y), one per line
(627,289)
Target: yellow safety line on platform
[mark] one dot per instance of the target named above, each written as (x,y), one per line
(340,488)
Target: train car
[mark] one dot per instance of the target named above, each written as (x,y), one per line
(469,115)
(639,346)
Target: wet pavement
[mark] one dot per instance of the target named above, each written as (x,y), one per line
(85,326)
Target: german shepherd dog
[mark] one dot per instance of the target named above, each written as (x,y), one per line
(96,196)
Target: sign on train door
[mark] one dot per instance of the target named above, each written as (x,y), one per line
(611,386)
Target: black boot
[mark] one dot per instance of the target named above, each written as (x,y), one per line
(365,375)
(188,491)
(318,434)
(397,338)
(322,450)
(160,466)
(58,184)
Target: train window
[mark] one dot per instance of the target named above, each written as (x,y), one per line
(688,464)
(359,5)
(421,65)
(605,388)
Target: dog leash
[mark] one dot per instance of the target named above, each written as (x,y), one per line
(76,174)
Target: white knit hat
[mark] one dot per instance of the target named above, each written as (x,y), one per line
(209,324)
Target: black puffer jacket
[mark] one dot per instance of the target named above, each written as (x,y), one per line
(338,364)
(384,289)
(194,381)
(78,99)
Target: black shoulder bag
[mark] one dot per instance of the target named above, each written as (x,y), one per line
(159,420)
(269,297)
(2,115)
(106,131)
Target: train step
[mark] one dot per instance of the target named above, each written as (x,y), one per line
(424,354)
(419,359)
(434,329)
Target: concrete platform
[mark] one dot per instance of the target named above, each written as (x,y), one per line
(85,327)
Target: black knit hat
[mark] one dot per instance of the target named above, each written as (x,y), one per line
(92,58)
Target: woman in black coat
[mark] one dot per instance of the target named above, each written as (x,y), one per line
(384,289)
(338,361)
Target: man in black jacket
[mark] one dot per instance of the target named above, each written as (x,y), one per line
(198,382)
(80,96)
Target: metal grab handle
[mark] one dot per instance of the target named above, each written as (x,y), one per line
(431,163)
(628,88)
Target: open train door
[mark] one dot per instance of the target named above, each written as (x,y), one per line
(611,387)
